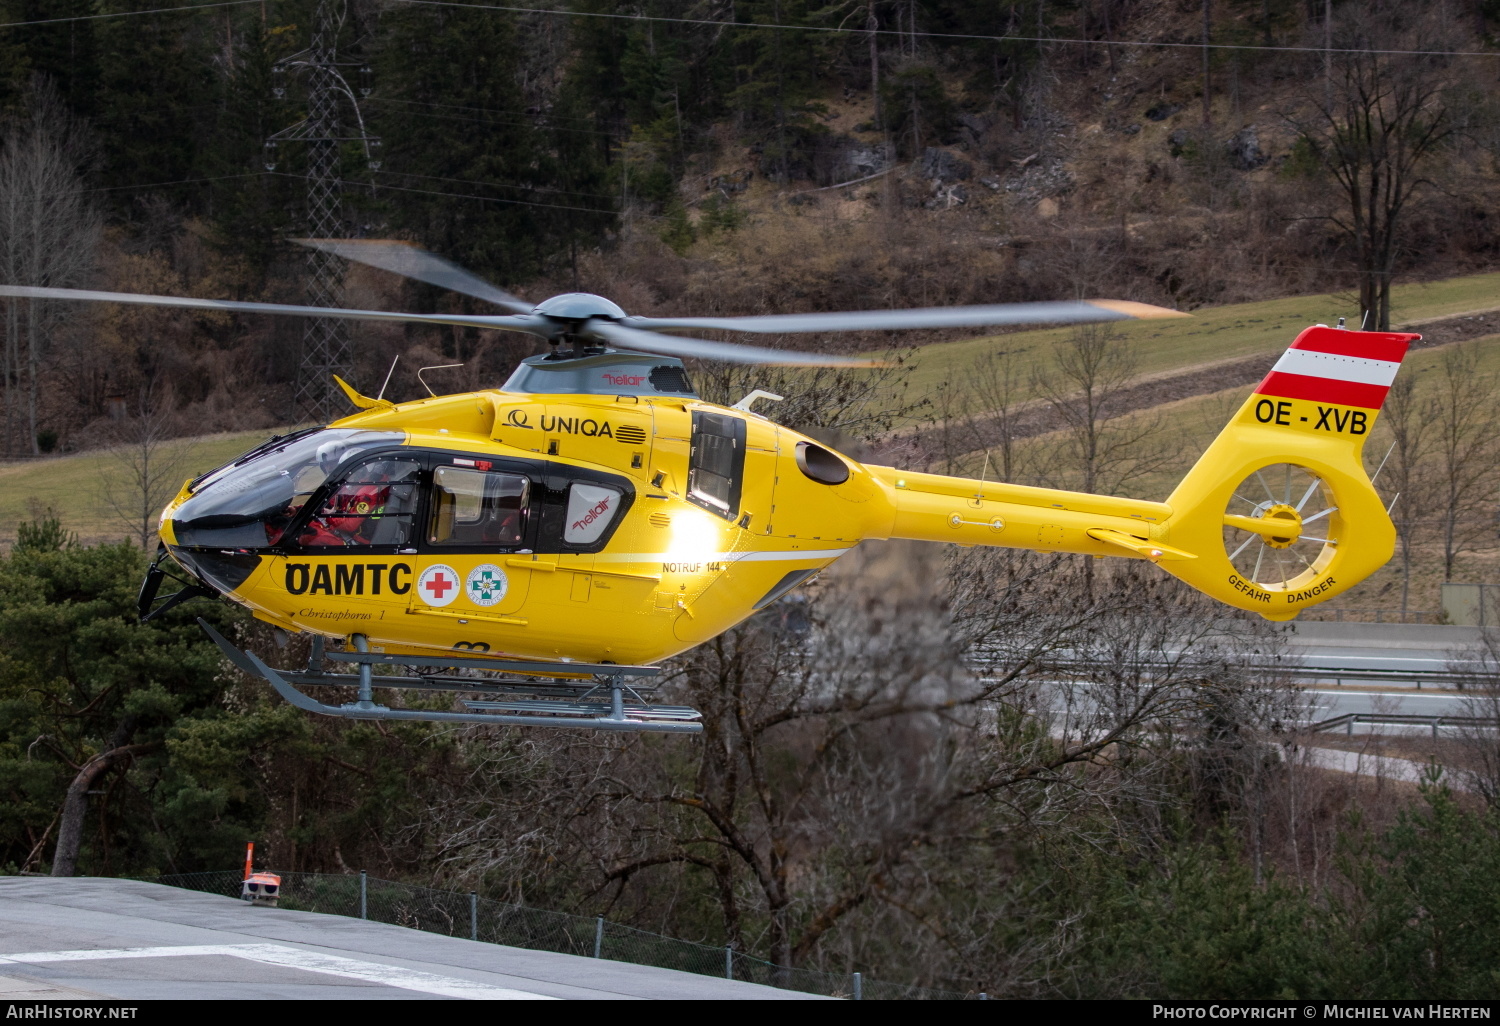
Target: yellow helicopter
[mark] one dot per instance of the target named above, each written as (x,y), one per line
(593,516)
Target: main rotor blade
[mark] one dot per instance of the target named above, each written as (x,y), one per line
(1066,312)
(535,325)
(411,261)
(728,352)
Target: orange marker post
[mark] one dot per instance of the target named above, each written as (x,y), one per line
(249,858)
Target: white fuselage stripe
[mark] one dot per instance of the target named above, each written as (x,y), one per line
(1360,369)
(718,557)
(296,958)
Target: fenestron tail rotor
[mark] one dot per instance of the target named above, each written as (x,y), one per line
(1281,528)
(582,318)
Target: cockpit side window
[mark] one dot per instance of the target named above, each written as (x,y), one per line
(716,464)
(374,505)
(478,508)
(251,502)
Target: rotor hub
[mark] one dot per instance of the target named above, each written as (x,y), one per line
(1282,511)
(578,307)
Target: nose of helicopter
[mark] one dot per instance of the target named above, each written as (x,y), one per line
(222,571)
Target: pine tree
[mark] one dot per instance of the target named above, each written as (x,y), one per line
(778,73)
(464,160)
(67,52)
(249,206)
(153,102)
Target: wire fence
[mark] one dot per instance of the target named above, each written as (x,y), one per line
(1345,615)
(456,914)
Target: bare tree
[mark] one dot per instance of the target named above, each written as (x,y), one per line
(1479,738)
(862,404)
(49,232)
(865,749)
(146,470)
(1463,449)
(1375,130)
(1100,451)
(995,384)
(1408,419)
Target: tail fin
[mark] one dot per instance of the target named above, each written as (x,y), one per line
(1279,510)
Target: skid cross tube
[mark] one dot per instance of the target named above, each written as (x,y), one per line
(494,687)
(508,665)
(619,717)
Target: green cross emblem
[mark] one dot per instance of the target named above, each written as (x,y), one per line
(484,585)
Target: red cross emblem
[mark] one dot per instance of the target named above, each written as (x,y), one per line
(438,584)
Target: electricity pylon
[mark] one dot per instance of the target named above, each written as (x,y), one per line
(325,341)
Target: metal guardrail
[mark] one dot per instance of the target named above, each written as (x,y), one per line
(1336,614)
(1455,679)
(456,914)
(1295,667)
(1348,720)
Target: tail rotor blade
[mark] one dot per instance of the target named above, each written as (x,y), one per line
(411,261)
(534,325)
(1074,312)
(727,352)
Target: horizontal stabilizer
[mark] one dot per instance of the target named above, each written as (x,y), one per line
(1139,546)
(364,402)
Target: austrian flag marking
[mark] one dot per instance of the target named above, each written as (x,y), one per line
(439,584)
(1337,367)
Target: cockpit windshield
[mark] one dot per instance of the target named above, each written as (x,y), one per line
(250,503)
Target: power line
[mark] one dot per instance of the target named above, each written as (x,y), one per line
(459,195)
(497,199)
(826,29)
(836,30)
(398,188)
(989,234)
(499,185)
(500,121)
(128,14)
(180,181)
(487,110)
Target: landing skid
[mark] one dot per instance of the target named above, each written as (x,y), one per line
(609,698)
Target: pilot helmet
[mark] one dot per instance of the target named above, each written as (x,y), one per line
(328,454)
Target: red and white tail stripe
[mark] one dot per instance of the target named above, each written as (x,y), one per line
(1342,368)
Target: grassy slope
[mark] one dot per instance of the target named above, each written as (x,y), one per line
(1212,334)
(75,486)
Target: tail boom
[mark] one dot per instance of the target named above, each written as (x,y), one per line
(966,511)
(1306,422)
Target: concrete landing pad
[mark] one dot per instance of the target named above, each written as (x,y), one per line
(88,937)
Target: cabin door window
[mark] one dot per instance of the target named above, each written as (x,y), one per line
(716,463)
(478,508)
